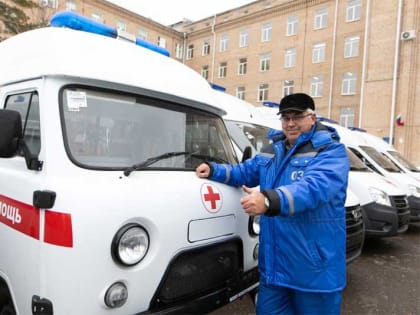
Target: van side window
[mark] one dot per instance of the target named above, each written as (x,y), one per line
(364,160)
(27,104)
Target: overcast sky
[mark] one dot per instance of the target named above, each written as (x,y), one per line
(169,12)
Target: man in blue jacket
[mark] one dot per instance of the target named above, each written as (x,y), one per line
(302,257)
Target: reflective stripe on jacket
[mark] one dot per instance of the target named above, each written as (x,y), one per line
(304,247)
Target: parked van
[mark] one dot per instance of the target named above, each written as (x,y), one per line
(391,153)
(246,121)
(101,209)
(383,166)
(384,202)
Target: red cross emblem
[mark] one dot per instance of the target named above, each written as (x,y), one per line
(211,197)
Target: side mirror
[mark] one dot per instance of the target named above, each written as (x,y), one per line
(10,132)
(247,153)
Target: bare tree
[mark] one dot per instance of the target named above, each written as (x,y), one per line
(15,19)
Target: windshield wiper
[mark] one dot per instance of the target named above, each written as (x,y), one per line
(152,160)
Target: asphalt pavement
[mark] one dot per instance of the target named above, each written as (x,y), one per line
(384,280)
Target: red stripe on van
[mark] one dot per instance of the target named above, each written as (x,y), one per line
(19,216)
(58,229)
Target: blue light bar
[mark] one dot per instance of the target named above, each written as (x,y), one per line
(357,129)
(270,104)
(320,118)
(218,87)
(79,22)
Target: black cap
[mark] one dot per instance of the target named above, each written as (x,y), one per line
(296,102)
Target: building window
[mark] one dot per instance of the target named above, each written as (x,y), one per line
(265,62)
(288,86)
(161,42)
(142,34)
(320,20)
(317,85)
(318,52)
(243,38)
(292,25)
(190,51)
(351,46)
(242,66)
(97,17)
(348,86)
(206,48)
(262,92)
(224,41)
(222,69)
(240,92)
(290,58)
(266,32)
(178,50)
(70,5)
(121,26)
(347,117)
(354,10)
(205,72)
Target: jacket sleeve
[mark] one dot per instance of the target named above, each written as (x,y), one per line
(246,173)
(324,179)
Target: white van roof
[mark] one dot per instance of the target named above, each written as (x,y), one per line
(54,51)
(237,109)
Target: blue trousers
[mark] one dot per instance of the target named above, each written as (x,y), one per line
(274,300)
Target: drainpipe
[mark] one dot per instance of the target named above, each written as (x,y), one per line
(333,60)
(213,31)
(394,81)
(365,52)
(184,51)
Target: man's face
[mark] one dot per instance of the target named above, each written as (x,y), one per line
(294,123)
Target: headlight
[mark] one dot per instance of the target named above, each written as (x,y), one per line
(414,191)
(379,196)
(254,225)
(130,244)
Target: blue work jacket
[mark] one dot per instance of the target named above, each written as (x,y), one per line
(304,246)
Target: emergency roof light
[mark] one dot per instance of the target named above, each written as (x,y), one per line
(218,87)
(271,104)
(357,129)
(81,23)
(331,121)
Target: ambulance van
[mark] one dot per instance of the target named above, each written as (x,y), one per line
(248,126)
(101,211)
(391,153)
(384,204)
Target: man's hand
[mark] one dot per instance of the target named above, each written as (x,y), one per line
(253,203)
(203,170)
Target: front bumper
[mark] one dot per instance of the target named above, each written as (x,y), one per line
(414,205)
(379,220)
(202,279)
(211,301)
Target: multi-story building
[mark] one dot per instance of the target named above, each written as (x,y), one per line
(359,59)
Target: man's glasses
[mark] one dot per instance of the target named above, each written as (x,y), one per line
(297,118)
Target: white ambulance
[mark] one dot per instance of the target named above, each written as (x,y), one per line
(101,211)
(391,153)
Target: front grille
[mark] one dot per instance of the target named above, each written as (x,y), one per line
(197,272)
(355,232)
(401,204)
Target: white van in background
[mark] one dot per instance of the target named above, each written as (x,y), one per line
(101,211)
(245,119)
(391,153)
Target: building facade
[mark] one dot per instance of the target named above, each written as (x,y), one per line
(359,59)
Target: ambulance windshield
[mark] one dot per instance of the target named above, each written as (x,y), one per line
(105,130)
